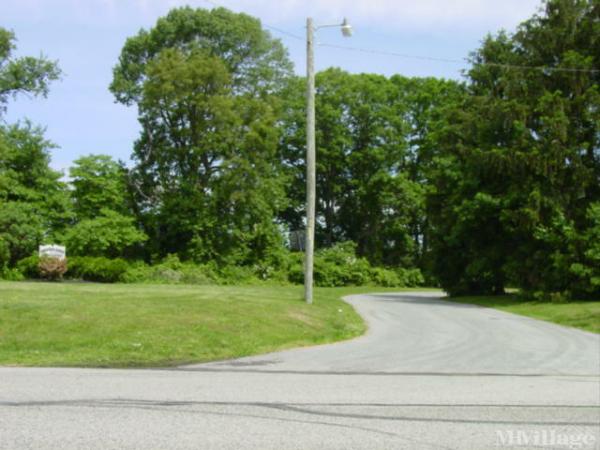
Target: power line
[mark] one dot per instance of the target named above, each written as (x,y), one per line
(386,53)
(457,61)
(286,33)
(271,27)
(426,58)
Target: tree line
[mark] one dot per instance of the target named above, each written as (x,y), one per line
(484,183)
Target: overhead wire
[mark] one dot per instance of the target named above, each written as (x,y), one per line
(426,58)
(457,61)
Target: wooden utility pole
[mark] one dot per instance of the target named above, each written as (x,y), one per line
(310,163)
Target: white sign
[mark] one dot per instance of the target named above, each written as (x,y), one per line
(52,251)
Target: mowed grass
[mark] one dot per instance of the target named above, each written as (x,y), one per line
(584,315)
(121,325)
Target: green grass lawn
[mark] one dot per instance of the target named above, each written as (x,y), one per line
(87,324)
(579,314)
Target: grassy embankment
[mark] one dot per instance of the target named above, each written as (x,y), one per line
(578,314)
(123,325)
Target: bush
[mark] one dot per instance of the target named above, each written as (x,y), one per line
(237,275)
(4,253)
(52,268)
(339,266)
(272,272)
(335,266)
(100,269)
(410,277)
(170,271)
(543,296)
(11,274)
(385,277)
(29,267)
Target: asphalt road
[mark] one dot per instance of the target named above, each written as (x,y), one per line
(428,374)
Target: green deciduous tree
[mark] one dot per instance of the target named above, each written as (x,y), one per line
(25,75)
(98,182)
(257,63)
(34,203)
(207,179)
(108,234)
(104,224)
(371,149)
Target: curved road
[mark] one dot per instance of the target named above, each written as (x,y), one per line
(428,374)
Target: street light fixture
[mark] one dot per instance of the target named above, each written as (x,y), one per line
(310,151)
(346,28)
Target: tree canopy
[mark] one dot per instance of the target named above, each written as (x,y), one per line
(25,75)
(481,184)
(206,179)
(518,180)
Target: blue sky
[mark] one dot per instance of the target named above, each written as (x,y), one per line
(86,37)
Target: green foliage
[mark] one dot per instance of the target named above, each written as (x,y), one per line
(409,278)
(339,266)
(99,269)
(29,266)
(334,267)
(105,224)
(79,267)
(4,253)
(517,170)
(21,229)
(34,203)
(99,183)
(231,275)
(207,183)
(485,184)
(258,63)
(109,234)
(25,75)
(11,274)
(573,268)
(371,139)
(171,271)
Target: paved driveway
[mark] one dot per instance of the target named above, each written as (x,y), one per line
(429,374)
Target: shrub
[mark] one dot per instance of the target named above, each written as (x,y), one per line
(99,269)
(410,277)
(52,268)
(4,253)
(272,272)
(29,266)
(236,275)
(107,234)
(543,296)
(385,277)
(11,274)
(295,269)
(339,266)
(170,271)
